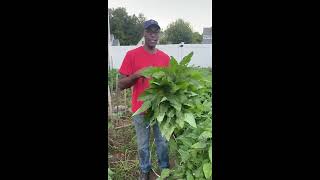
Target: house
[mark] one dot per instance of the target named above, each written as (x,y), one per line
(114,41)
(207,36)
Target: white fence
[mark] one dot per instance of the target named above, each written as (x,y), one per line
(202,53)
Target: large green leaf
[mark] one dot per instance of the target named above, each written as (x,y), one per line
(175,104)
(184,155)
(193,134)
(163,99)
(185,61)
(160,117)
(207,170)
(205,135)
(158,75)
(207,105)
(167,129)
(175,88)
(196,75)
(183,84)
(169,78)
(179,119)
(189,118)
(161,125)
(193,153)
(168,119)
(181,97)
(190,165)
(189,176)
(146,97)
(199,145)
(146,105)
(169,132)
(193,94)
(149,71)
(164,126)
(199,173)
(185,141)
(173,62)
(156,83)
(155,103)
(170,113)
(173,146)
(188,104)
(164,173)
(164,107)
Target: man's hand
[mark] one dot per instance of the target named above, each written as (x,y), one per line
(138,74)
(128,81)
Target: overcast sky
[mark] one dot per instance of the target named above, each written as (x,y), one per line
(197,12)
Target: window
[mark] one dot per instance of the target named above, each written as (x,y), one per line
(206,36)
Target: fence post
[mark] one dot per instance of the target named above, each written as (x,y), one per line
(109,104)
(117,83)
(125,97)
(117,94)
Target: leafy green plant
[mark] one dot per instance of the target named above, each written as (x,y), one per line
(179,99)
(173,97)
(112,74)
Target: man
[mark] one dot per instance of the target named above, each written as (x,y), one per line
(134,62)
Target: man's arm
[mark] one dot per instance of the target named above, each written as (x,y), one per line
(128,81)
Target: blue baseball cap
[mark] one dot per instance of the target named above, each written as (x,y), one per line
(150,23)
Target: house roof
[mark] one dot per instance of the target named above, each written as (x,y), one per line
(207,31)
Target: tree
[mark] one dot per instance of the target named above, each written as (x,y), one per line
(177,32)
(196,38)
(128,29)
(162,38)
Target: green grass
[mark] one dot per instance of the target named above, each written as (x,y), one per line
(124,162)
(127,166)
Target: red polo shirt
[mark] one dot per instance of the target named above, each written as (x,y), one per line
(137,59)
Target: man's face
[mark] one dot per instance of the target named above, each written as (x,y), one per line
(151,36)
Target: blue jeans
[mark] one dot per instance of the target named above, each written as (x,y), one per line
(143,134)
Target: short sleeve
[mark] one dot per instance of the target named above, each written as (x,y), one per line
(126,66)
(167,58)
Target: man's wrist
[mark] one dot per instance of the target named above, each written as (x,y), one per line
(135,76)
